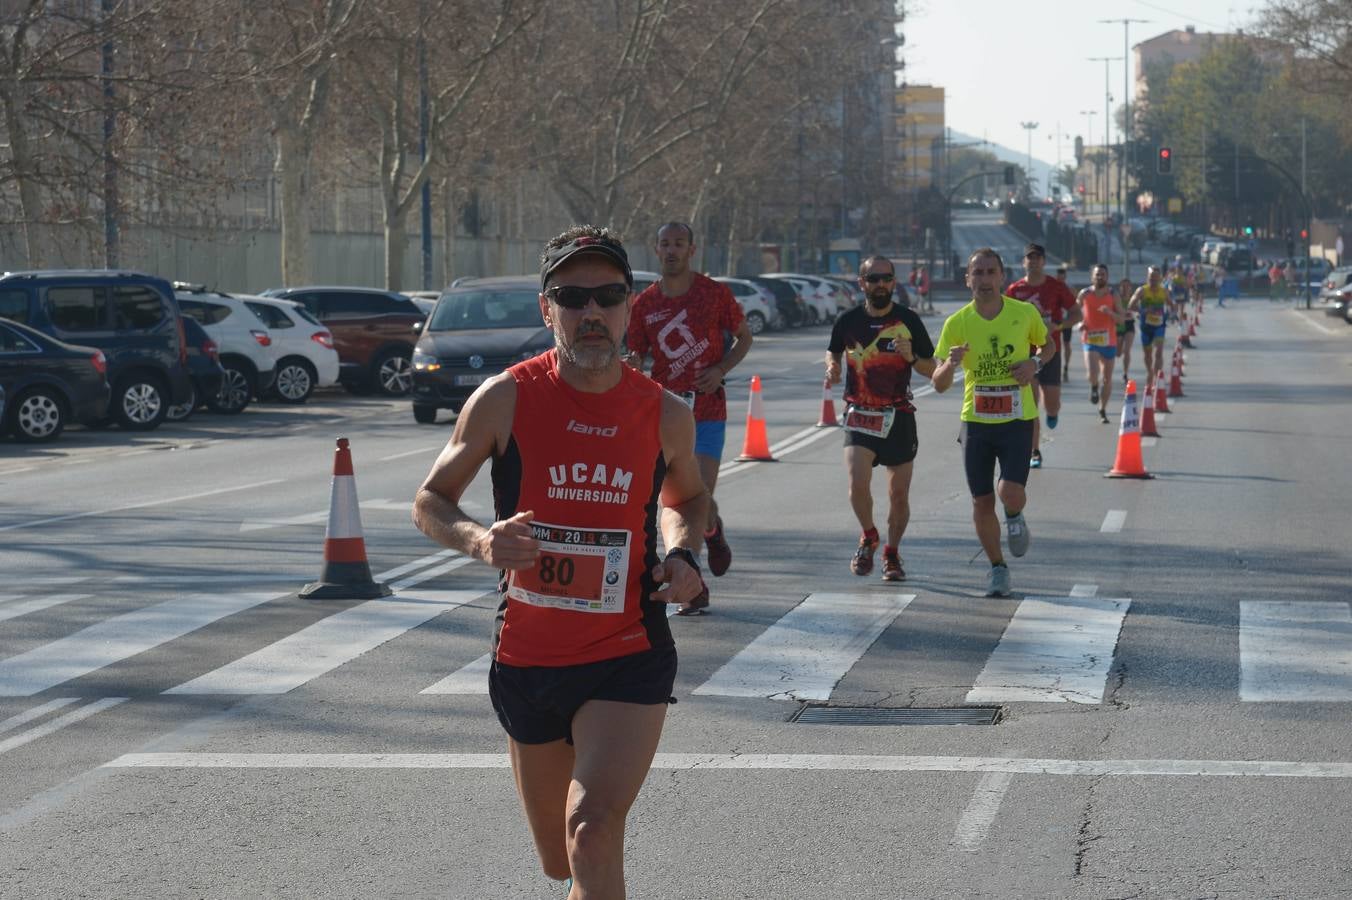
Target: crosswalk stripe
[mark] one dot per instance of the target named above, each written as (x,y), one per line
(36,712)
(806,653)
(115,639)
(14,610)
(59,722)
(415,564)
(327,644)
(1295,651)
(1054,649)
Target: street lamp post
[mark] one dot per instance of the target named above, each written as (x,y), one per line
(1030,127)
(1088,136)
(1126,102)
(1107,145)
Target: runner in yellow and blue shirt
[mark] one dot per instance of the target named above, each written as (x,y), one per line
(990,340)
(1153,303)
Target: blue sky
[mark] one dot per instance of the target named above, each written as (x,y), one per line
(1002,63)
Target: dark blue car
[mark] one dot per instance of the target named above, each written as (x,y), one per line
(48,383)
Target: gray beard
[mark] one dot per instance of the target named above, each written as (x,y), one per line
(591,360)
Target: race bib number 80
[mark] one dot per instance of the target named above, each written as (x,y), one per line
(582,569)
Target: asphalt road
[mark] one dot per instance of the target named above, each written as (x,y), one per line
(1173,674)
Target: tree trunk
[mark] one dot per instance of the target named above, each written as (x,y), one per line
(396,240)
(30,200)
(293,157)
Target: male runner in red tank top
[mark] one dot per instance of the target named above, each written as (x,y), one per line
(583,448)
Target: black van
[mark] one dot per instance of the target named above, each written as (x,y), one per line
(130,316)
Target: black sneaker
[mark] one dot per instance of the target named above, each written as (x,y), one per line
(1093,393)
(716,548)
(1103,416)
(1036,461)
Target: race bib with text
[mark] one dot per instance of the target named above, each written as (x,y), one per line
(582,569)
(997,401)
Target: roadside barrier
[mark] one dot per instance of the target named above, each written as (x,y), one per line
(346,574)
(1128,463)
(828,416)
(756,445)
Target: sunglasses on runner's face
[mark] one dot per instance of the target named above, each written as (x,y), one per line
(879,277)
(572,297)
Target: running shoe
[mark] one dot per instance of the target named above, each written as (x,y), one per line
(1016,531)
(997,581)
(697,605)
(892,570)
(862,563)
(1051,422)
(1103,416)
(719,554)
(1093,393)
(1036,461)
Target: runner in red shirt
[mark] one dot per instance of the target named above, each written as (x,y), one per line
(583,448)
(681,323)
(1059,313)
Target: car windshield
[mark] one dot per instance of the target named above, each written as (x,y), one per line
(486,308)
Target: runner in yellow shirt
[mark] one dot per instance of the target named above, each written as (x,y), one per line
(990,340)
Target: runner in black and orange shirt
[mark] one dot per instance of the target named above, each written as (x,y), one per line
(882,343)
(1056,302)
(681,322)
(583,448)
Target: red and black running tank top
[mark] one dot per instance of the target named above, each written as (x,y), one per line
(590,466)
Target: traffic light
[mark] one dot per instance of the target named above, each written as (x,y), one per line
(1009,174)
(1304,233)
(1164,161)
(1248,231)
(1080,188)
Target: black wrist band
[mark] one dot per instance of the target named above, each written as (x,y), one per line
(686,555)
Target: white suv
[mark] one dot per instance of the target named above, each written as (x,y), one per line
(757,303)
(243,340)
(306,357)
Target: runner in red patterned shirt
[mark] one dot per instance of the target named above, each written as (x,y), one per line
(680,323)
(1059,313)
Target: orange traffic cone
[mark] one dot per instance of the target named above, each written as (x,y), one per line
(1161,395)
(346,575)
(1175,381)
(1128,463)
(828,416)
(756,445)
(1179,358)
(1148,427)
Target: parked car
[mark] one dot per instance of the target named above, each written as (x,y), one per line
(1336,284)
(820,300)
(1313,271)
(243,341)
(373,330)
(477,330)
(204,367)
(757,303)
(130,316)
(303,348)
(424,300)
(1238,259)
(790,305)
(851,288)
(48,383)
(644,280)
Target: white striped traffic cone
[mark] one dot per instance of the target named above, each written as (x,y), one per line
(346,575)
(828,417)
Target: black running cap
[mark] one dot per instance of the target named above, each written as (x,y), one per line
(1035,248)
(586,244)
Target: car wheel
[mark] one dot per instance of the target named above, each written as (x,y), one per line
(183,411)
(37,415)
(812,316)
(424,415)
(140,403)
(236,390)
(755,322)
(295,381)
(392,373)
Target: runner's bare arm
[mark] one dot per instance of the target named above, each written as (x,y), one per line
(685,502)
(1135,302)
(712,378)
(833,368)
(482,430)
(947,369)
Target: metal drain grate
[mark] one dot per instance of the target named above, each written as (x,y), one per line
(870,715)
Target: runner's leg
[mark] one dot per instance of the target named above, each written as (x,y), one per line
(614,746)
(859,468)
(708,470)
(987,526)
(543,773)
(898,501)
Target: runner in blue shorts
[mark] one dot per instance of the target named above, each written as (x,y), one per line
(1152,304)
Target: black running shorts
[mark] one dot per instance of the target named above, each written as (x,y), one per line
(1009,443)
(1050,376)
(536,704)
(897,449)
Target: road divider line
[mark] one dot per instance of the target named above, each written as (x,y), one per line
(803,762)
(434,572)
(112,509)
(1295,651)
(14,610)
(1084,590)
(115,639)
(327,644)
(36,712)
(805,654)
(436,449)
(415,564)
(977,818)
(1054,650)
(59,722)
(1313,324)
(1113,521)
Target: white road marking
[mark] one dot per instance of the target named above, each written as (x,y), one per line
(206,580)
(317,517)
(1147,442)
(1054,650)
(112,509)
(429,574)
(36,712)
(1092,768)
(1113,521)
(976,819)
(1313,324)
(1084,590)
(416,564)
(50,580)
(1295,651)
(327,644)
(115,639)
(14,610)
(59,722)
(806,653)
(436,449)
(16,471)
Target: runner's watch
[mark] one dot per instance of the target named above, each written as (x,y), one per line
(685,555)
(1037,360)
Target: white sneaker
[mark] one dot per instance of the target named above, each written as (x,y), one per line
(997,581)
(1016,531)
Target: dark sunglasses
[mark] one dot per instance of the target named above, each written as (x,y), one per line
(571,297)
(878,277)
